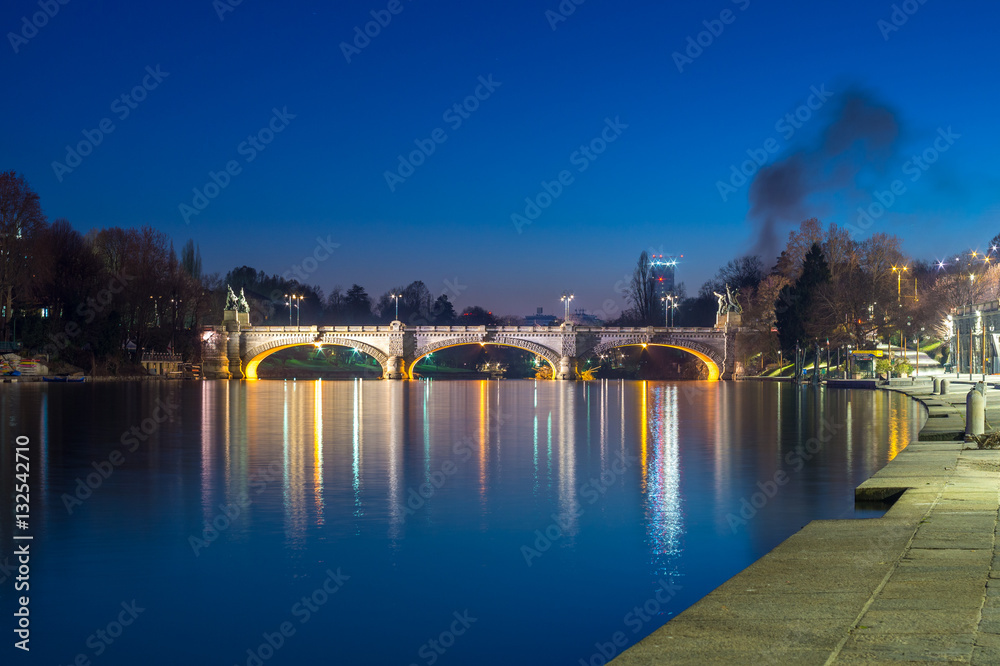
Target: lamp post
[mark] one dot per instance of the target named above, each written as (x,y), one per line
(288,303)
(566,298)
(899,270)
(396,298)
(298,307)
(991,339)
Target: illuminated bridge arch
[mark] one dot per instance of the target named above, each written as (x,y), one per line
(706,354)
(548,355)
(260,352)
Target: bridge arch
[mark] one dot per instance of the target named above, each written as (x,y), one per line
(706,354)
(254,356)
(548,355)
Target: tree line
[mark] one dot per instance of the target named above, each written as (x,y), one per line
(99,300)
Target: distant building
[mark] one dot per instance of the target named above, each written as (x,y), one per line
(581,318)
(663,270)
(539,319)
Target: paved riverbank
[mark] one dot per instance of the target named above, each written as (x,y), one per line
(921,584)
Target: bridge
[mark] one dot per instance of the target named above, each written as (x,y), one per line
(235,349)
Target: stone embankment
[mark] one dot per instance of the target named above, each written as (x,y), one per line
(921,584)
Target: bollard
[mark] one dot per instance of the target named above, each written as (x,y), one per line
(945,386)
(975,414)
(937,386)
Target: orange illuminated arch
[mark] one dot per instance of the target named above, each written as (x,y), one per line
(713,367)
(250,371)
(413,365)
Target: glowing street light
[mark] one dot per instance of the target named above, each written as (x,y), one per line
(899,280)
(566,298)
(396,298)
(288,304)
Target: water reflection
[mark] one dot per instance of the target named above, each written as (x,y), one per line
(663,501)
(329,467)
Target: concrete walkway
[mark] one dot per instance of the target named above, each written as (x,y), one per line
(921,584)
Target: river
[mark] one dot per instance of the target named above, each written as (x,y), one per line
(422,522)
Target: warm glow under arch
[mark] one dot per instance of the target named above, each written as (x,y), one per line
(250,371)
(428,352)
(710,363)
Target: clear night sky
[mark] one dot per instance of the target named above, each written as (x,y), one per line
(324,174)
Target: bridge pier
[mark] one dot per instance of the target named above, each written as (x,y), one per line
(394,368)
(566,368)
(233,349)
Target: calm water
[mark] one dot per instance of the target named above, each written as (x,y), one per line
(549,512)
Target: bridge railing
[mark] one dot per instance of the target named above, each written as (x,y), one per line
(484,329)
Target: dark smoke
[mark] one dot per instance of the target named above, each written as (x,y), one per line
(861,138)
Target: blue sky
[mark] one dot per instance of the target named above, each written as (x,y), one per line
(551,92)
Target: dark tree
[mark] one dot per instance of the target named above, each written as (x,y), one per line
(443,312)
(642,291)
(795,309)
(21,225)
(477,316)
(358,306)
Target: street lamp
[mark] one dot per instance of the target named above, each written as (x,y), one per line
(288,304)
(396,298)
(298,302)
(566,298)
(899,270)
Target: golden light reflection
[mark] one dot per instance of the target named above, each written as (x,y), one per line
(318,451)
(643,435)
(293,448)
(483,432)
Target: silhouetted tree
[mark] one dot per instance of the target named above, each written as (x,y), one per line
(21,225)
(795,307)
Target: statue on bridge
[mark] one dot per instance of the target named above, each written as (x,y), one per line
(236,303)
(241,304)
(231,302)
(728,303)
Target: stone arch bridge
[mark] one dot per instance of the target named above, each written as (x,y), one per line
(235,349)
